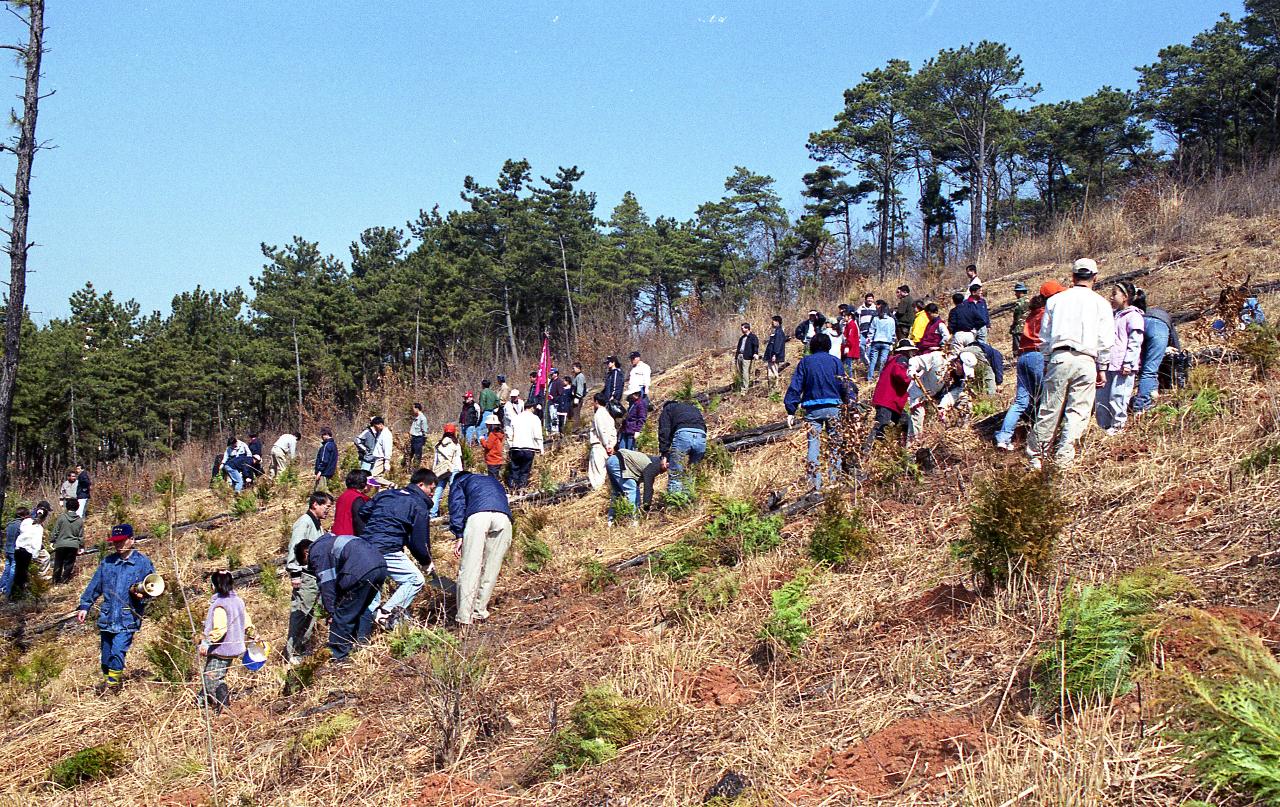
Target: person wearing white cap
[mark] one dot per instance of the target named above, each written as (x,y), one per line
(640,377)
(1077,332)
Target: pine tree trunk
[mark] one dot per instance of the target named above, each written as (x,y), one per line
(31,55)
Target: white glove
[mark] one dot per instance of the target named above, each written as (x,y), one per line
(791,421)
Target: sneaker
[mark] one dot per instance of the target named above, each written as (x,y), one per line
(1113,431)
(1004,445)
(1034,462)
(380,618)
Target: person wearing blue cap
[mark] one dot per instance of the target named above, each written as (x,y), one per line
(117,582)
(1021,305)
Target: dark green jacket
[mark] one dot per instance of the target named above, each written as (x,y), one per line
(67,532)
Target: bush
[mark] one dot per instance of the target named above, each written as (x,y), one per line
(786,626)
(647,439)
(172,653)
(1014,522)
(118,509)
(160,530)
(443,651)
(469,458)
(717,458)
(535,554)
(1229,718)
(680,499)
(170,484)
(1102,633)
(741,532)
(596,576)
(95,762)
(682,559)
(288,477)
(244,504)
(684,393)
(708,592)
(303,674)
(600,722)
(269,580)
(839,536)
(42,666)
(1261,459)
(1259,346)
(263,490)
(324,734)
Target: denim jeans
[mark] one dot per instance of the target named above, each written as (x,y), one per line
(877,357)
(237,478)
(621,486)
(408,579)
(1030,378)
(626,440)
(849,367)
(824,419)
(114,646)
(6,578)
(685,442)
(1155,343)
(440,493)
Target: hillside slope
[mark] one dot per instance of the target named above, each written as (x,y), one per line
(910,688)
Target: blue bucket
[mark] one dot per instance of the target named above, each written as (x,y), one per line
(255,655)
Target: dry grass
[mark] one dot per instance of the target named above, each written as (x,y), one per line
(1163,495)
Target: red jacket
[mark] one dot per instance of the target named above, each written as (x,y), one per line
(932,338)
(1029,339)
(891,389)
(852,346)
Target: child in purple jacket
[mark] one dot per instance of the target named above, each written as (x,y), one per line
(1112,407)
(633,421)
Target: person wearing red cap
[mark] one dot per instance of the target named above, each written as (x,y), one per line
(470,417)
(1030,369)
(447,462)
(117,582)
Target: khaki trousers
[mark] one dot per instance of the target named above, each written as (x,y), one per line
(596,473)
(744,370)
(485,541)
(1066,403)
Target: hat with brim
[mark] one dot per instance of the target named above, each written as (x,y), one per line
(121,532)
(1084,267)
(1020,287)
(906,346)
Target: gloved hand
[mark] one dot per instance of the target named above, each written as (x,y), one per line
(791,421)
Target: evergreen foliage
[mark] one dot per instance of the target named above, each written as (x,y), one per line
(1014,521)
(600,723)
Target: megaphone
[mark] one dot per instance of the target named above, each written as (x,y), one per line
(152,585)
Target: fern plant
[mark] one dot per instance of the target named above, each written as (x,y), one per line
(1102,633)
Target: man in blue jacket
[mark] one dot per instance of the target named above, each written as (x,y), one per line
(817,386)
(326,460)
(117,582)
(351,572)
(480,520)
(396,520)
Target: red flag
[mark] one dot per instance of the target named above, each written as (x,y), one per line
(544,367)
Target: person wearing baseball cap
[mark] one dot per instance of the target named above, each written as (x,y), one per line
(1030,367)
(1021,304)
(1076,333)
(117,582)
(472,415)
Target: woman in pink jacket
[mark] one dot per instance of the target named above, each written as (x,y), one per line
(1112,408)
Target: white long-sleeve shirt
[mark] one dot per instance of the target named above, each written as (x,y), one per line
(640,378)
(510,410)
(288,444)
(526,431)
(604,432)
(384,445)
(30,537)
(1081,320)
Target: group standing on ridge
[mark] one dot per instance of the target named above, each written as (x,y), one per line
(1080,352)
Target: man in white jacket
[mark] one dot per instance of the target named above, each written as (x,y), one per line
(603,441)
(1078,331)
(526,441)
(283,452)
(383,447)
(640,378)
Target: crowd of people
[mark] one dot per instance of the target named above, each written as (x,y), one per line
(1078,356)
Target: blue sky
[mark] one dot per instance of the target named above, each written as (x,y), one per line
(187,133)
